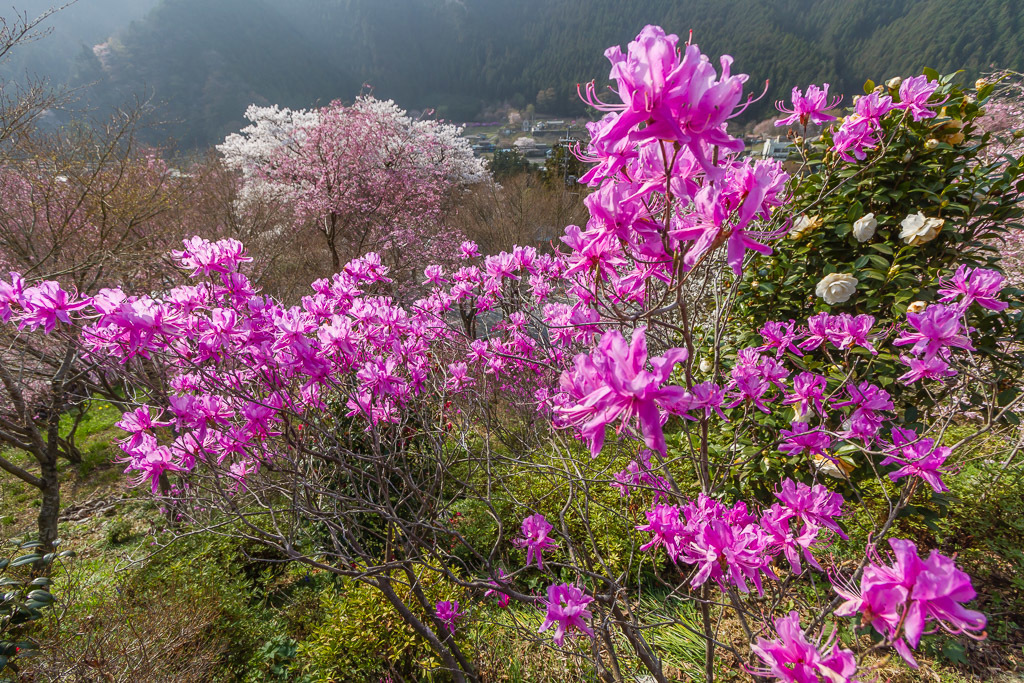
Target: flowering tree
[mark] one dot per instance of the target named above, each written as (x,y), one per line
(367,175)
(86,208)
(400,445)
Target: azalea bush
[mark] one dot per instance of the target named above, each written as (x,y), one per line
(351,433)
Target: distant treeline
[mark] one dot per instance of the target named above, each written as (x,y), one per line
(203,61)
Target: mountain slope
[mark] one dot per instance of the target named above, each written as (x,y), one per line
(208,59)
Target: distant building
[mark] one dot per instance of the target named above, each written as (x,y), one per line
(775,148)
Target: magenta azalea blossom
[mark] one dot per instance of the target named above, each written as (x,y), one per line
(613,383)
(936,330)
(729,554)
(974,285)
(47,303)
(794,659)
(674,92)
(208,257)
(903,600)
(495,590)
(447,612)
(802,440)
(535,538)
(918,457)
(567,612)
(811,504)
(781,337)
(809,108)
(925,368)
(665,528)
(914,95)
(808,392)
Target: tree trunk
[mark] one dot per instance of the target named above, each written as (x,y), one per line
(50,508)
(332,234)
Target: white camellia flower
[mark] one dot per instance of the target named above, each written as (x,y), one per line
(864,227)
(918,229)
(836,288)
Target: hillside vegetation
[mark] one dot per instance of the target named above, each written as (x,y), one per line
(203,61)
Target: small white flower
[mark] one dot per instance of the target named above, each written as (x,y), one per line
(917,229)
(894,82)
(706,366)
(917,307)
(864,227)
(836,288)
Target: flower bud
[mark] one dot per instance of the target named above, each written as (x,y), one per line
(980,83)
(894,83)
(706,366)
(907,156)
(930,144)
(917,307)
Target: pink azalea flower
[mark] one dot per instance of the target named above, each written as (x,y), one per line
(856,135)
(613,383)
(914,95)
(925,368)
(802,440)
(495,592)
(750,388)
(919,458)
(794,659)
(208,257)
(780,336)
(777,524)
(811,504)
(975,285)
(904,599)
(808,392)
(46,303)
(936,330)
(447,612)
(809,108)
(665,528)
(535,539)
(846,331)
(566,611)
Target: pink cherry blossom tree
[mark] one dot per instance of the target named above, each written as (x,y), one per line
(368,176)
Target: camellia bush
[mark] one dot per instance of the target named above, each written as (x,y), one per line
(892,202)
(573,433)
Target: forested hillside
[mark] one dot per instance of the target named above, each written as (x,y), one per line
(205,60)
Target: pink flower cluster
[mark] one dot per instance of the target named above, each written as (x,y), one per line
(911,597)
(731,546)
(859,132)
(793,658)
